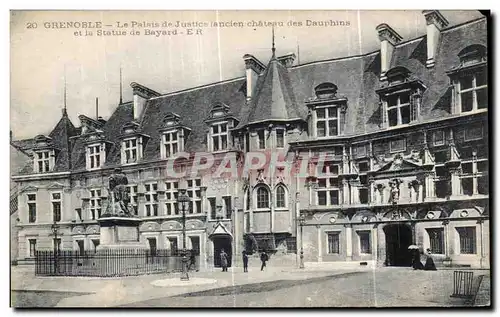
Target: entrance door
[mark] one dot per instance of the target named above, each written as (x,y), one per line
(398,237)
(152,245)
(81,246)
(222,243)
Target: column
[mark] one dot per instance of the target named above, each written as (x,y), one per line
(455,181)
(481,243)
(320,245)
(354,194)
(446,238)
(348,239)
(374,243)
(430,190)
(345,192)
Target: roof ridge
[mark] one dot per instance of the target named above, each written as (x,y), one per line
(199,87)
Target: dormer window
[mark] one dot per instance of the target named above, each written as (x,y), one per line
(470,80)
(173,136)
(220,121)
(95,156)
(130,151)
(327,122)
(132,143)
(400,100)
(44,154)
(328,111)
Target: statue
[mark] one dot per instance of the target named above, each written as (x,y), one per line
(120,198)
(394,196)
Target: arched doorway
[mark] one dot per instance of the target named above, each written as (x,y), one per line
(398,237)
(222,242)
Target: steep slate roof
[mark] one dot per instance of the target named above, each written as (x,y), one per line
(60,135)
(274,97)
(281,93)
(193,106)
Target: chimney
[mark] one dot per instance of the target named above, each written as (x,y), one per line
(435,23)
(141,95)
(253,69)
(287,60)
(388,39)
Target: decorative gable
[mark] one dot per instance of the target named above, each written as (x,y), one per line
(220,111)
(399,164)
(220,229)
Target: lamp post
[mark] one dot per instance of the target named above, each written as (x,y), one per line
(302,222)
(183,201)
(55,229)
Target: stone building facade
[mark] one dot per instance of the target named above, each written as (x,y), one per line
(383,150)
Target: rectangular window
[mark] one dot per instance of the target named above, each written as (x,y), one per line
(261,134)
(363,195)
(280,138)
(132,190)
(94,156)
(171,193)
(130,151)
(219,136)
(473,133)
(95,203)
(333,243)
(438,137)
(32,246)
(467,239)
(31,207)
(151,196)
(327,121)
(56,206)
(398,109)
(436,240)
(213,208)
(194,193)
(328,185)
(364,242)
(170,144)
(43,161)
(474,177)
(172,242)
(228,206)
(473,90)
(442,182)
(398,145)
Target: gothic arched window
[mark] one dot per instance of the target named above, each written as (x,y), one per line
(280,196)
(262,197)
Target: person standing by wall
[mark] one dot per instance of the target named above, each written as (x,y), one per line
(263,258)
(245,261)
(223,260)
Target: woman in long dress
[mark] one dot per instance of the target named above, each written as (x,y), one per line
(417,264)
(429,263)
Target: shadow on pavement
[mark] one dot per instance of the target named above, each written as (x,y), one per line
(264,286)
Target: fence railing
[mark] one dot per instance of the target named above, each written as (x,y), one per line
(462,284)
(108,263)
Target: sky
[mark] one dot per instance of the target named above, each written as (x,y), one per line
(44,58)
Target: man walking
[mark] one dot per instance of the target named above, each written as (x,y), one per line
(263,258)
(223,260)
(245,261)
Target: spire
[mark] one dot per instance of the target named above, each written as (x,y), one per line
(121,91)
(274,49)
(96,108)
(64,111)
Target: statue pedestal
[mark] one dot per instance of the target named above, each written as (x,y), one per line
(119,233)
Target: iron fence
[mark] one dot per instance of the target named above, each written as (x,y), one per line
(107,263)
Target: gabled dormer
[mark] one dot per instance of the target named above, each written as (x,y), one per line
(44,154)
(173,135)
(89,125)
(220,121)
(470,80)
(132,143)
(96,148)
(400,100)
(327,111)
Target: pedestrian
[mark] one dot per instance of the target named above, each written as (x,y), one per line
(263,258)
(223,260)
(429,263)
(417,264)
(245,261)
(192,261)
